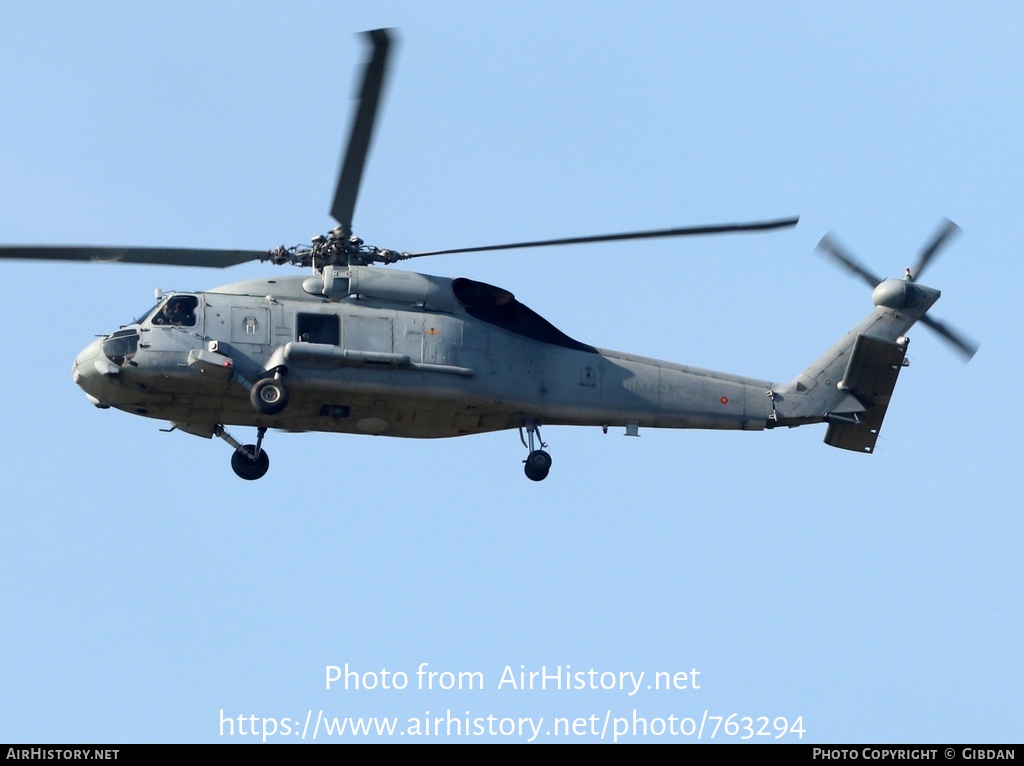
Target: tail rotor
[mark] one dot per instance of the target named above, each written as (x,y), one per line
(903,291)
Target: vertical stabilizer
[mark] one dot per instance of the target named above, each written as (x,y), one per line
(850,385)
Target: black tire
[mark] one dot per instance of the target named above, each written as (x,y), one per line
(538,463)
(269,396)
(247,468)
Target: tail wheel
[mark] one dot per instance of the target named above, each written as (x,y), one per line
(538,463)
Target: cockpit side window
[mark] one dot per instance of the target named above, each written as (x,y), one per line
(178,310)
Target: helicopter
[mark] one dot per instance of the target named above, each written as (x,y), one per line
(353,348)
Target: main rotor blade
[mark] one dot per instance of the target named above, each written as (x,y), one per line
(680,232)
(828,245)
(964,346)
(949,229)
(351,173)
(215,259)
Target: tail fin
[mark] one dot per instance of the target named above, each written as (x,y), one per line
(850,385)
(870,379)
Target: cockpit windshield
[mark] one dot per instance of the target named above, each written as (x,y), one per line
(145,315)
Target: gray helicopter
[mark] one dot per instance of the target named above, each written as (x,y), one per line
(355,349)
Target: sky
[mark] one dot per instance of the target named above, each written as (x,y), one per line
(149,595)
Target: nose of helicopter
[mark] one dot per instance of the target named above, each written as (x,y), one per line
(91,370)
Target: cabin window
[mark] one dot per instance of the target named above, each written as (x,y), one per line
(318,328)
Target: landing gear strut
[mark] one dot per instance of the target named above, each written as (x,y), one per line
(248,461)
(538,462)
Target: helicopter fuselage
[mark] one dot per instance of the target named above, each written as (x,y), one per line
(392,353)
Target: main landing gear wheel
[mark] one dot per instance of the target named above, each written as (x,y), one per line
(249,461)
(245,467)
(538,463)
(269,396)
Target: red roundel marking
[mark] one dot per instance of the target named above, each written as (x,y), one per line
(724,400)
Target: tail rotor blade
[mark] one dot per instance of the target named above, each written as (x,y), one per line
(828,246)
(964,346)
(344,205)
(949,229)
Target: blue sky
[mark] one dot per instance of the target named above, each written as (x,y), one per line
(145,588)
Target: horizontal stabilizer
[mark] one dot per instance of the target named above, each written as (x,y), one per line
(871,377)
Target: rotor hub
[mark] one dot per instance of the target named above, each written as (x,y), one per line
(897,294)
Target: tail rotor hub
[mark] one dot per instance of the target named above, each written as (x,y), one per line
(899,294)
